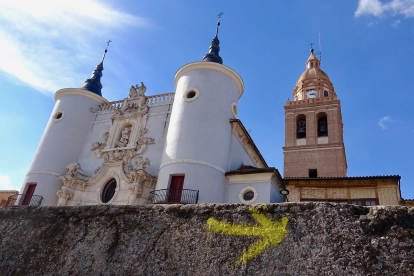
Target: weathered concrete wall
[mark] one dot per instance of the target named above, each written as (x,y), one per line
(321,239)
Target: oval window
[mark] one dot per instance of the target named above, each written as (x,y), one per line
(58,116)
(191,94)
(248,195)
(109,191)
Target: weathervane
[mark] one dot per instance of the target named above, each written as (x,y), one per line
(106,49)
(219,16)
(311,44)
(218,22)
(107,45)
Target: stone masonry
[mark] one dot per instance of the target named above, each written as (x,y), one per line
(321,239)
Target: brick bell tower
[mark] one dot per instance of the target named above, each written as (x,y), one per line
(314,144)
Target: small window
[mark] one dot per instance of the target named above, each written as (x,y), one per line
(313,173)
(109,191)
(234,110)
(325,93)
(357,202)
(58,116)
(248,195)
(311,64)
(370,203)
(191,94)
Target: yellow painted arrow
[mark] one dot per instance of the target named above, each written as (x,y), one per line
(272,233)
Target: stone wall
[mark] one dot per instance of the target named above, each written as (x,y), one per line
(225,239)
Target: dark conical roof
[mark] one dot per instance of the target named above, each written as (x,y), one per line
(213,54)
(93,84)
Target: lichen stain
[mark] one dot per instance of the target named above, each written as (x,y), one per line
(271,233)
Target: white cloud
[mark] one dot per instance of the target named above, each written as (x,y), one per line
(44,43)
(383,120)
(379,8)
(396,23)
(5,183)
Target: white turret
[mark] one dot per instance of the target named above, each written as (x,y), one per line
(197,145)
(63,139)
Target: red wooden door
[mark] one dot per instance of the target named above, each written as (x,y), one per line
(29,193)
(176,188)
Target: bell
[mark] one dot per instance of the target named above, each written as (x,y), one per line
(322,129)
(301,130)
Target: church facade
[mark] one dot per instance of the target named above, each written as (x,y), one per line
(181,147)
(188,146)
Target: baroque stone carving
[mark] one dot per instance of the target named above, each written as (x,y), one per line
(137,90)
(64,196)
(123,141)
(73,177)
(141,162)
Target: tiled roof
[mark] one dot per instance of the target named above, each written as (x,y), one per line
(251,169)
(348,177)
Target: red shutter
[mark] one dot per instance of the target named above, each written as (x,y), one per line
(29,193)
(176,188)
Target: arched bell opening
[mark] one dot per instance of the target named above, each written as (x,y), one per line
(301,126)
(322,124)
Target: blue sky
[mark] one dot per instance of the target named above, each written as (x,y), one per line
(367,51)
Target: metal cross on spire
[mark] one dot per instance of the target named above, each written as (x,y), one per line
(220,15)
(107,45)
(106,50)
(311,44)
(218,22)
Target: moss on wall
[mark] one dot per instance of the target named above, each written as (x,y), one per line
(293,238)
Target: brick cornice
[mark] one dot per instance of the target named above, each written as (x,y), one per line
(316,146)
(308,105)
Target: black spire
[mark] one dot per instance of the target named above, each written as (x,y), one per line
(93,84)
(213,54)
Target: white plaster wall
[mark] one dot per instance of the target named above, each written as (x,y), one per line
(200,130)
(238,156)
(263,189)
(212,188)
(61,144)
(275,197)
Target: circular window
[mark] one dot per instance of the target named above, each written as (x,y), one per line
(109,191)
(191,94)
(58,116)
(248,195)
(234,110)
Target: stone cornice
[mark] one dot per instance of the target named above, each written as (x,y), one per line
(78,91)
(247,143)
(211,65)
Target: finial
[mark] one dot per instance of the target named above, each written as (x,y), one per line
(218,22)
(93,84)
(106,50)
(213,54)
(311,47)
